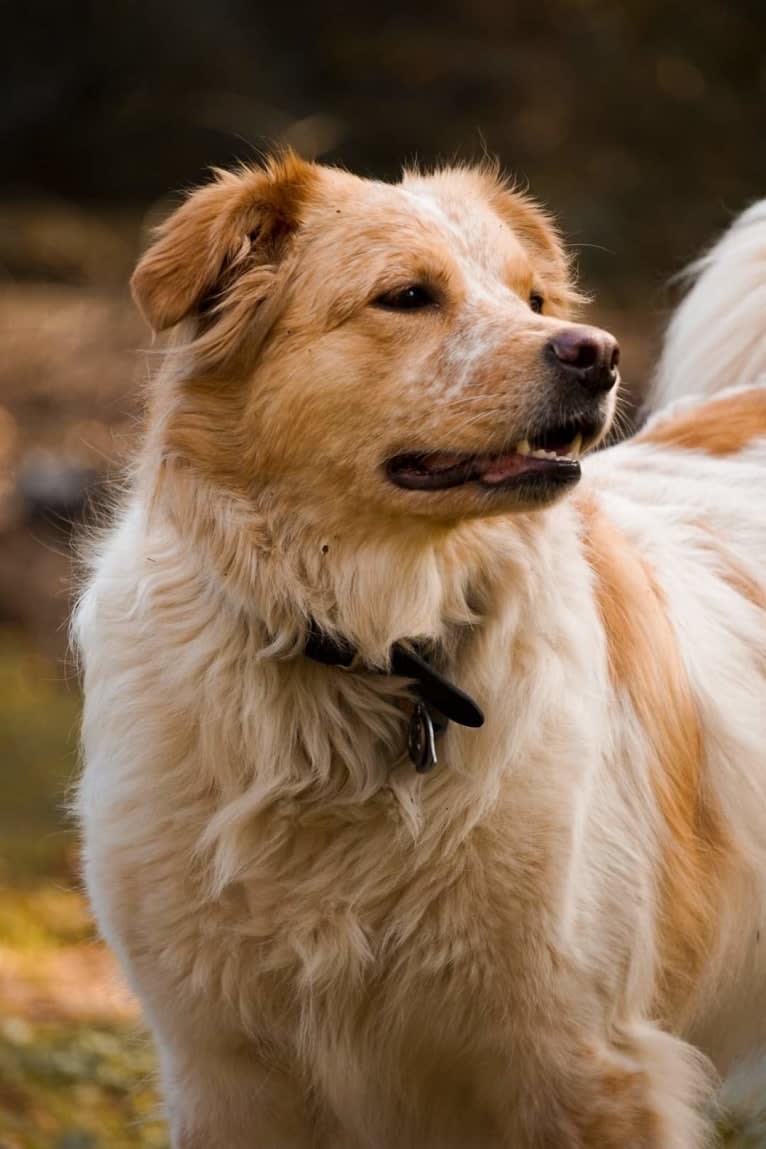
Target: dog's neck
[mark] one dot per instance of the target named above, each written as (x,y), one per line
(370,587)
(334,739)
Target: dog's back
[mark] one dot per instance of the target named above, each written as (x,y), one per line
(716,341)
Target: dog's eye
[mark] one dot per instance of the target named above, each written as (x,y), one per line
(412,298)
(536,302)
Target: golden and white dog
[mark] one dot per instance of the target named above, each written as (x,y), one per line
(368,423)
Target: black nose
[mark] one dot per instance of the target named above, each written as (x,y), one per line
(588,356)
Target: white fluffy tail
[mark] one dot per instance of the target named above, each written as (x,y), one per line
(717,338)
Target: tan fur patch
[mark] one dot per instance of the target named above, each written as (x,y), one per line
(722,426)
(241,217)
(645,661)
(526,219)
(539,233)
(733,572)
(612,1108)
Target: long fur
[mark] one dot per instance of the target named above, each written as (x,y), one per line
(554,939)
(716,339)
(717,336)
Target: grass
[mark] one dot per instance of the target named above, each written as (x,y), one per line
(76,1069)
(76,1086)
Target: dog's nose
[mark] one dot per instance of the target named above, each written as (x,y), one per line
(588,356)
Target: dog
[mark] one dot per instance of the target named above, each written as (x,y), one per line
(424,799)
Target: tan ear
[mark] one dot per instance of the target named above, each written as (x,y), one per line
(538,232)
(239,220)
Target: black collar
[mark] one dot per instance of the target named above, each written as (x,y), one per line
(440,701)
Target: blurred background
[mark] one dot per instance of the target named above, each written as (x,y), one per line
(640,124)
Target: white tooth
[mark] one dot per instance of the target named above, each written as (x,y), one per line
(576,446)
(541,454)
(523,447)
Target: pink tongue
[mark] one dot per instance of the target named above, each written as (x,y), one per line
(498,468)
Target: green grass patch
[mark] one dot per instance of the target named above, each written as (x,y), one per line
(65,1082)
(44,918)
(70,1086)
(38,762)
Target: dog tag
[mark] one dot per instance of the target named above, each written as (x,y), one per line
(421,740)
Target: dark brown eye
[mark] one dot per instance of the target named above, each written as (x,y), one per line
(412,298)
(536,302)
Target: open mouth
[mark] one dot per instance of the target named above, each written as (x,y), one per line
(552,455)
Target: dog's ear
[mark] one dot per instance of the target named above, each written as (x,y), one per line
(538,232)
(239,221)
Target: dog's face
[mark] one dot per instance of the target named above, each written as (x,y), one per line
(390,350)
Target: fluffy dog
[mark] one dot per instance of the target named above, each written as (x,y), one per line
(366,432)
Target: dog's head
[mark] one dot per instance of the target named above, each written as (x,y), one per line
(376,349)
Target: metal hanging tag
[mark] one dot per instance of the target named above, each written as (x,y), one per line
(421,740)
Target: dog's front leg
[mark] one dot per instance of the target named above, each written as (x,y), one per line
(229,1098)
(643,1090)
